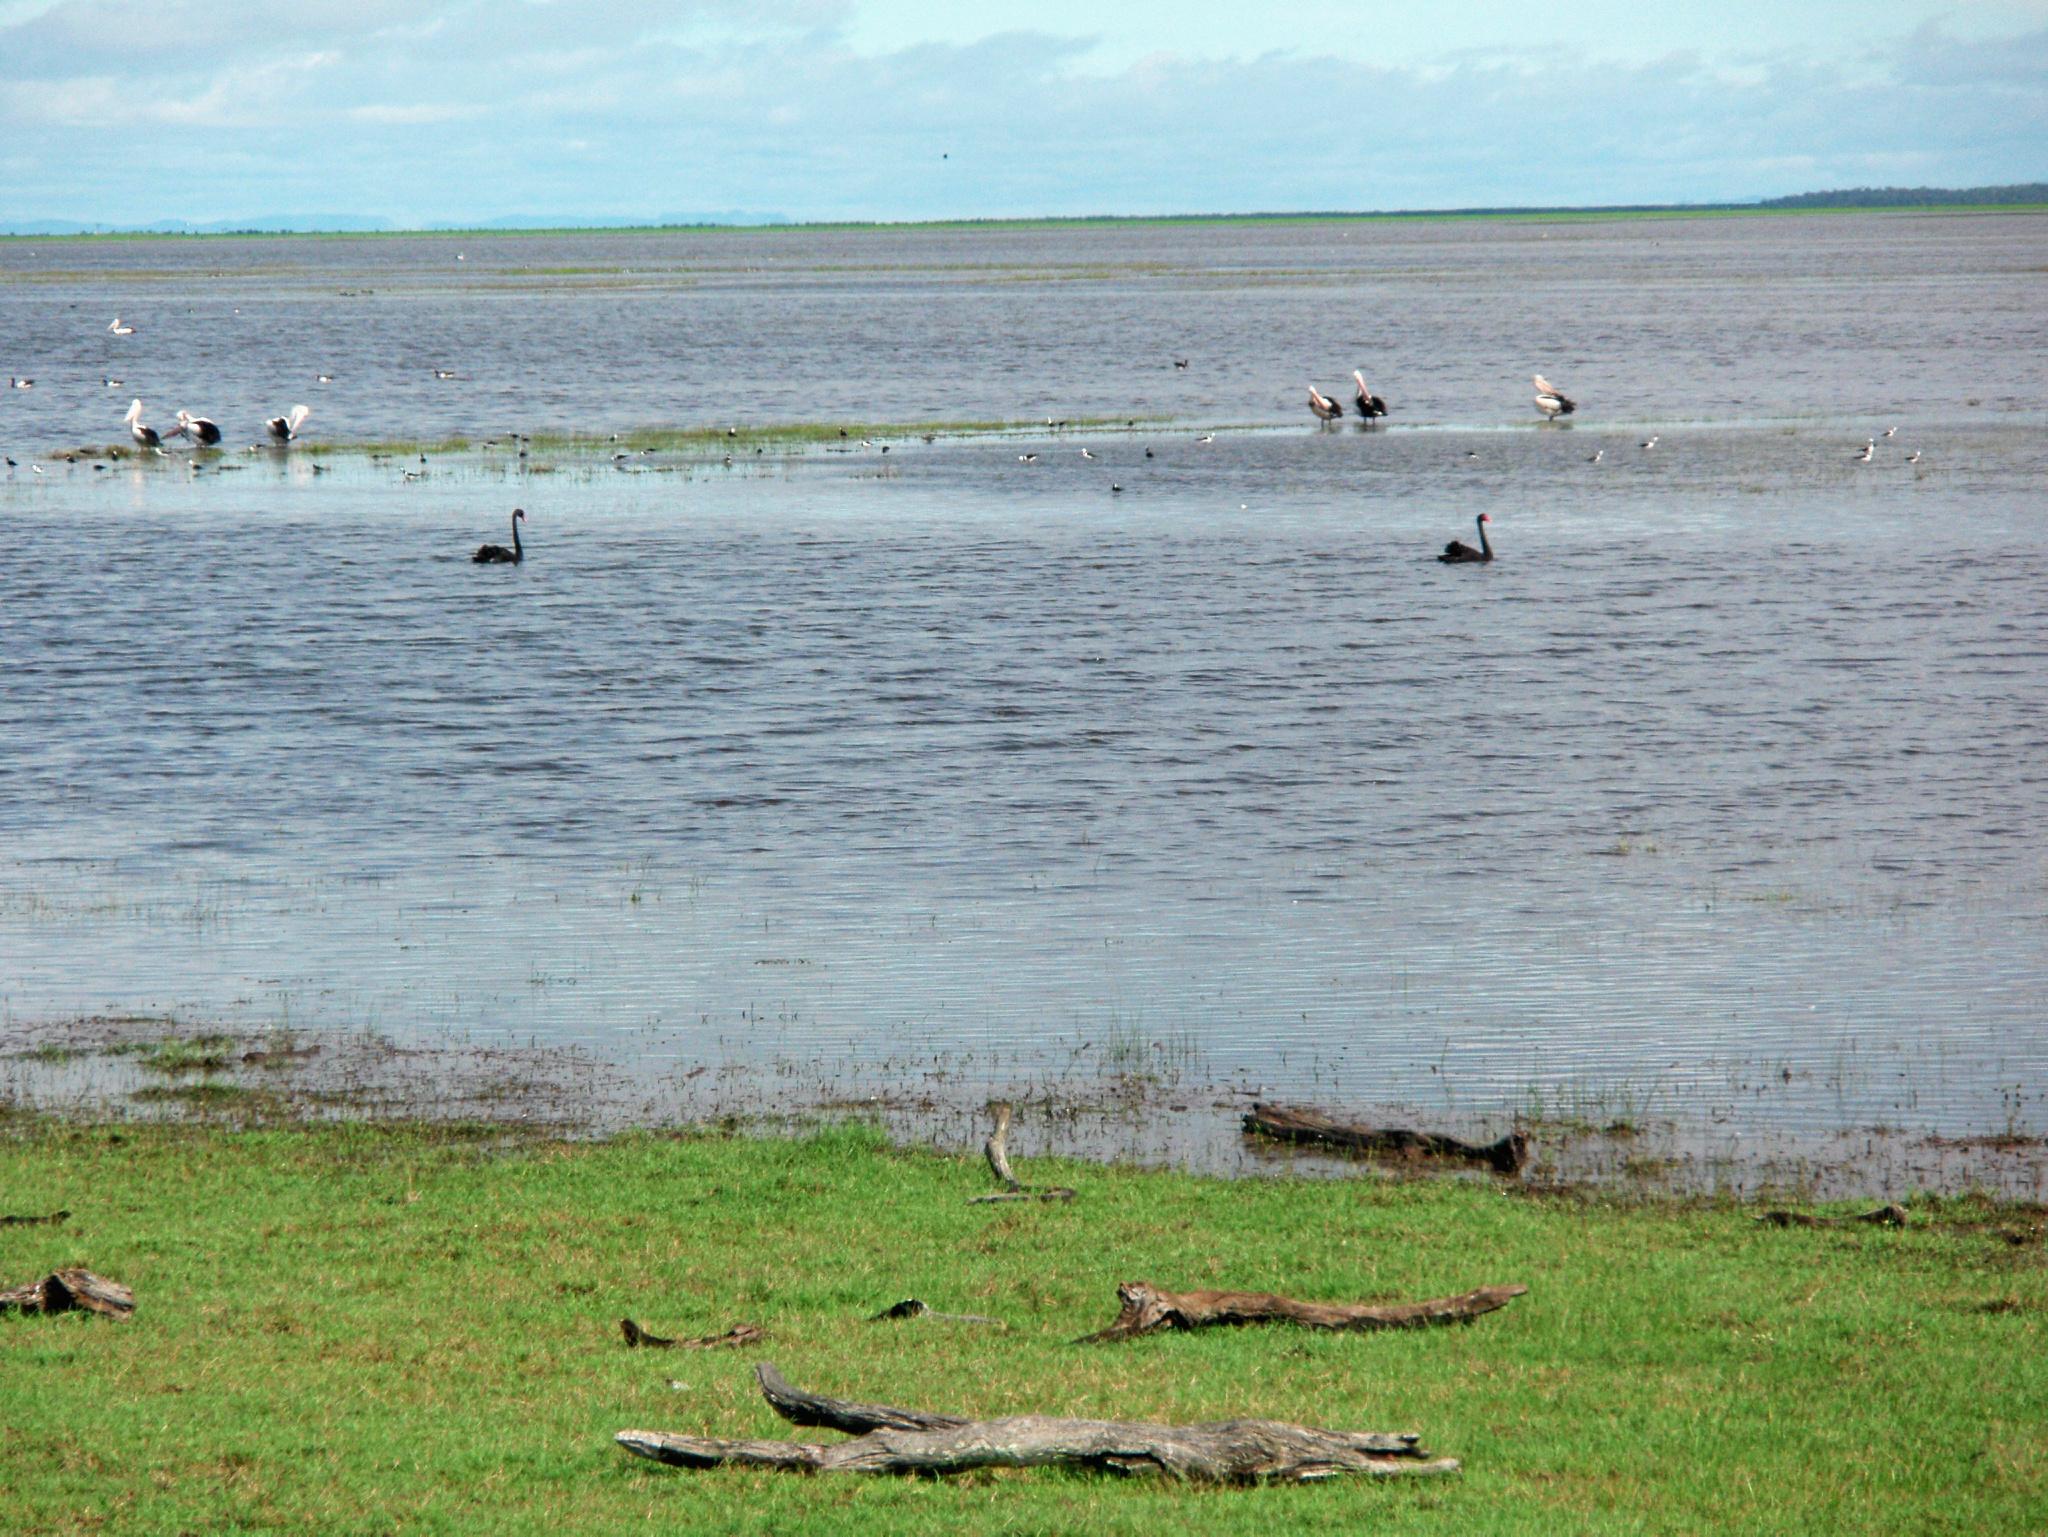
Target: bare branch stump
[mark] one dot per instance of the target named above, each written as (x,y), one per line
(917,1307)
(896,1440)
(996,1150)
(1885,1216)
(739,1334)
(1297,1123)
(1148,1310)
(65,1291)
(51,1219)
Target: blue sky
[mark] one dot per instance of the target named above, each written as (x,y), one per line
(124,111)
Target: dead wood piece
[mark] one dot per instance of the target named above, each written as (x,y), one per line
(917,1307)
(65,1291)
(1147,1310)
(996,1150)
(1286,1123)
(1885,1216)
(892,1440)
(52,1219)
(738,1334)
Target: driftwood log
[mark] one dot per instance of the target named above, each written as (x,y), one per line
(739,1334)
(1297,1123)
(1884,1216)
(66,1291)
(996,1150)
(1147,1310)
(917,1307)
(894,1440)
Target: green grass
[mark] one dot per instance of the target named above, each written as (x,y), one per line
(359,1329)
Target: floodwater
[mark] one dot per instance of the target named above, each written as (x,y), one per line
(1714,801)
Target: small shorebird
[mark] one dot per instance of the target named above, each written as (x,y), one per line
(1891,431)
(146,436)
(113,384)
(283,429)
(1654,439)
(444,373)
(1209,438)
(323,378)
(1913,457)
(118,329)
(1326,409)
(1869,452)
(1597,455)
(1180,362)
(1114,487)
(1552,401)
(1027,458)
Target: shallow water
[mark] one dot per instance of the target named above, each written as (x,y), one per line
(1712,800)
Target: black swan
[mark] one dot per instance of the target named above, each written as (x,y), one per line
(1552,401)
(497,554)
(284,428)
(1457,551)
(146,436)
(1326,409)
(1369,404)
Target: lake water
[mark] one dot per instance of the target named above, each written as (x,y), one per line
(1715,799)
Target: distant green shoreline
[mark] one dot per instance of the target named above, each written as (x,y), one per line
(1078,221)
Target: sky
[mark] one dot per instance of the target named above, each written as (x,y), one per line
(438,111)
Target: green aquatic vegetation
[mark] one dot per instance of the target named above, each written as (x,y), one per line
(355,1328)
(187,1054)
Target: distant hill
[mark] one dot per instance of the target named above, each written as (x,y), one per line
(1912,197)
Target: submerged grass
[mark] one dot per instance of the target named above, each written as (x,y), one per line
(357,1328)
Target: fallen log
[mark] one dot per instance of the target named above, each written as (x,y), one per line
(739,1334)
(996,1150)
(917,1307)
(1296,1123)
(53,1218)
(1147,1310)
(894,1440)
(1885,1216)
(66,1291)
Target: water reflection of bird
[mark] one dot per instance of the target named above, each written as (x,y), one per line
(198,429)
(1369,404)
(497,554)
(146,436)
(283,429)
(1457,552)
(1326,409)
(1552,401)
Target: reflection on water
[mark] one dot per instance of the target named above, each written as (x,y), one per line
(1713,799)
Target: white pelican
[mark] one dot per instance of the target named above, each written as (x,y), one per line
(1369,404)
(198,429)
(146,436)
(118,329)
(1552,401)
(1326,409)
(21,384)
(284,428)
(1086,455)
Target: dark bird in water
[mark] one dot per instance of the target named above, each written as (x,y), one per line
(1457,551)
(1326,409)
(283,429)
(497,554)
(1369,404)
(1180,362)
(146,436)
(204,433)
(1552,401)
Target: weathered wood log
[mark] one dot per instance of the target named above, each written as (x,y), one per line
(53,1218)
(65,1291)
(917,1307)
(893,1440)
(1298,1123)
(1147,1310)
(1885,1216)
(738,1334)
(996,1150)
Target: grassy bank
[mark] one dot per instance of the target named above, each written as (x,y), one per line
(356,1329)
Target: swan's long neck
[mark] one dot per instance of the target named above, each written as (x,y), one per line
(518,551)
(1485,547)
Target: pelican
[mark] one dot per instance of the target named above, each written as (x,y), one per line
(146,436)
(1086,455)
(118,329)
(1326,409)
(1369,404)
(21,384)
(283,429)
(444,373)
(198,429)
(1552,401)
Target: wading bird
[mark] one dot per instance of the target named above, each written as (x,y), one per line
(146,436)
(283,429)
(1457,552)
(497,554)
(198,429)
(1326,409)
(1369,404)
(1552,401)
(1869,452)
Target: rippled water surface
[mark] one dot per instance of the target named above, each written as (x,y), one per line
(1716,797)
